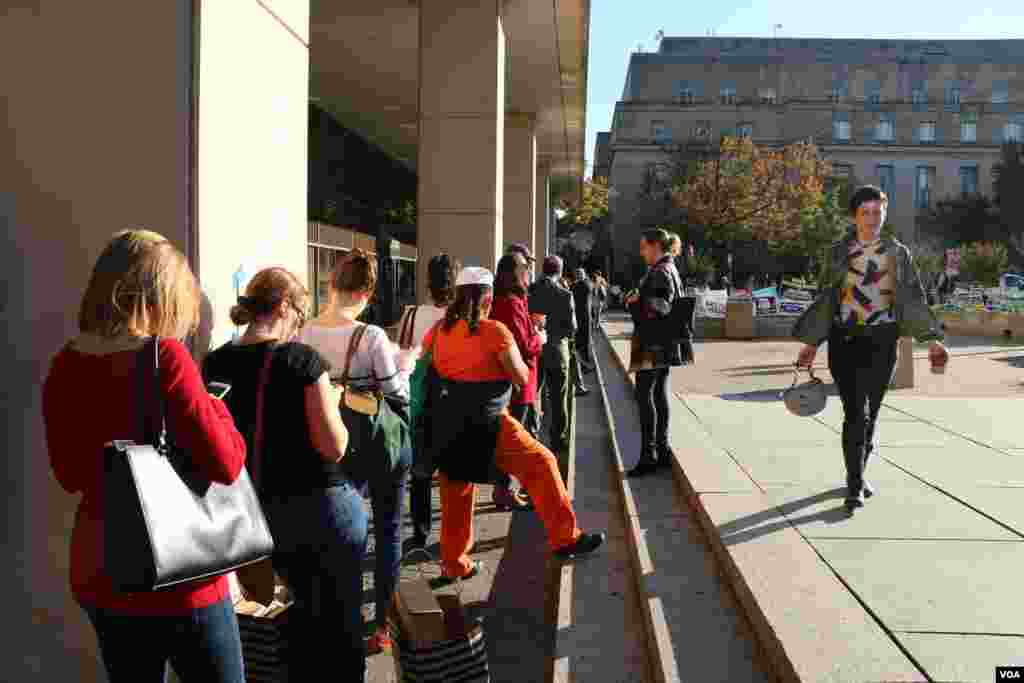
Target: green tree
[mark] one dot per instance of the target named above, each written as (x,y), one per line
(1008,177)
(929,261)
(983,262)
(592,207)
(820,226)
(957,220)
(747,191)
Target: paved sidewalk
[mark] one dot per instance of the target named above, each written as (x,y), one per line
(921,584)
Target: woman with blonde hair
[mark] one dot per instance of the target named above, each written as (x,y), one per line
(372,366)
(314,511)
(141,287)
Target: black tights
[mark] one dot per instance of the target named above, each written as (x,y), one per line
(652,399)
(862,368)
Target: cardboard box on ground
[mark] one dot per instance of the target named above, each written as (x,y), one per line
(423,618)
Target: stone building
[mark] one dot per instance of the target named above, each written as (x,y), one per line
(922,119)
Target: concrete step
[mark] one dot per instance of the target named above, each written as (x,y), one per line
(695,629)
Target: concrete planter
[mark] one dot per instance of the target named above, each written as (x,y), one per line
(739,320)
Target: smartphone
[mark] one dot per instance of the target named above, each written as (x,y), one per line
(218,389)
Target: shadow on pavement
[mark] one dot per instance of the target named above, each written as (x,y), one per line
(768,395)
(750,527)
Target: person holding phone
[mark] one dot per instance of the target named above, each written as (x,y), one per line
(141,286)
(315,513)
(870,296)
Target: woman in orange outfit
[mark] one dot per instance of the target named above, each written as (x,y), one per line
(473,434)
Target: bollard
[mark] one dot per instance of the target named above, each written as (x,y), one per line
(739,319)
(903,377)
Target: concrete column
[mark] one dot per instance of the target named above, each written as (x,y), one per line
(461,134)
(903,377)
(541,204)
(197,104)
(251,161)
(519,212)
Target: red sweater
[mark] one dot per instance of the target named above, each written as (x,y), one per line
(513,312)
(89,400)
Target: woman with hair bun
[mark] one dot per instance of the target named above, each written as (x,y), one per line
(315,513)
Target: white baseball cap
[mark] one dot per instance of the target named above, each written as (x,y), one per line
(474,275)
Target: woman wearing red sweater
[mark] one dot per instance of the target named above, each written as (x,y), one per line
(510,308)
(141,286)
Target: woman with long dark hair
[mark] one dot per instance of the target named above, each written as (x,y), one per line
(656,348)
(510,308)
(441,273)
(473,434)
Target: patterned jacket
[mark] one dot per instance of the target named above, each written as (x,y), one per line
(914,317)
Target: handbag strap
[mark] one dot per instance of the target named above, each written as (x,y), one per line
(357,337)
(408,328)
(144,368)
(255,462)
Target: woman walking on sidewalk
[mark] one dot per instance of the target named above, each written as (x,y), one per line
(141,286)
(472,433)
(871,295)
(656,348)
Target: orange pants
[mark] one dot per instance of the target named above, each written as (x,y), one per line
(529,461)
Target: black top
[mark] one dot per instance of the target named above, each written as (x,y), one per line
(555,302)
(658,290)
(289,462)
(583,294)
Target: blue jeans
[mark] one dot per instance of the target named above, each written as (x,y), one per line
(203,646)
(387,500)
(320,541)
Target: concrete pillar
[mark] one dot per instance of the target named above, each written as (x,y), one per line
(186,124)
(903,377)
(461,134)
(541,204)
(250,169)
(519,212)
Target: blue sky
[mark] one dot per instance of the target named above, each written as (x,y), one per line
(617,26)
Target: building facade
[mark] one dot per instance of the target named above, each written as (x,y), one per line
(922,119)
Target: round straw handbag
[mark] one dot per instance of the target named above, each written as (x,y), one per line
(807,399)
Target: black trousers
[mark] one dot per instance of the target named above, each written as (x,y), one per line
(419,502)
(862,367)
(652,399)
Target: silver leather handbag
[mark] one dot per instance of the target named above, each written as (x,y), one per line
(807,399)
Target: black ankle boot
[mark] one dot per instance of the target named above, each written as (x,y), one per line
(665,456)
(647,464)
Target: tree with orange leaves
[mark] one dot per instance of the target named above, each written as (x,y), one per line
(744,191)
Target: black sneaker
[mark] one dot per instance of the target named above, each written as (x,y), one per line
(444,580)
(854,501)
(584,545)
(582,392)
(868,489)
(414,543)
(643,468)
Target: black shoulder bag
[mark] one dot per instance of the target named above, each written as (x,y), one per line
(165,523)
